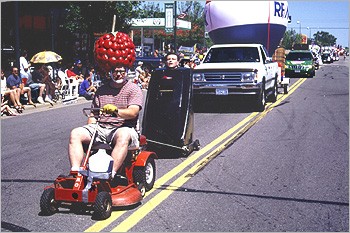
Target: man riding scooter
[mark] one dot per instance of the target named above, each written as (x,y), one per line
(120,101)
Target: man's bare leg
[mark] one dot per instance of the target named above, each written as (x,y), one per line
(77,137)
(120,150)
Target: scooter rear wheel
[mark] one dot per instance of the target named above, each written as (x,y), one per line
(145,176)
(103,206)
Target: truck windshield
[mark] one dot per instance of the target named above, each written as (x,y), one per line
(299,56)
(237,54)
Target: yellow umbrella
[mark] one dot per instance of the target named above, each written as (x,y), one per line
(45,57)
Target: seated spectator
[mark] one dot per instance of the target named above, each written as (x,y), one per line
(138,69)
(24,66)
(70,74)
(74,80)
(144,78)
(86,89)
(35,82)
(5,91)
(5,109)
(14,82)
(49,85)
(95,79)
(79,69)
(140,75)
(58,82)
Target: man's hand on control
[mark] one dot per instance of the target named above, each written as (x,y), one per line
(110,109)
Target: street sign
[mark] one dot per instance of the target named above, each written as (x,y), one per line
(169,18)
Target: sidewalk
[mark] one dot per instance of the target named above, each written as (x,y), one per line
(41,107)
(59,102)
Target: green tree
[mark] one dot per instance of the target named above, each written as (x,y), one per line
(324,38)
(195,15)
(290,38)
(97,17)
(151,10)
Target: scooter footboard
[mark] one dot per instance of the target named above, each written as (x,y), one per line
(69,195)
(66,190)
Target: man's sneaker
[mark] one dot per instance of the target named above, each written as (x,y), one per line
(72,174)
(118,180)
(47,99)
(40,100)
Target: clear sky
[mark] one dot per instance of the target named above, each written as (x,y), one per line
(328,16)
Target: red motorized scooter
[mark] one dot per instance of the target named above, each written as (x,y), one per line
(92,186)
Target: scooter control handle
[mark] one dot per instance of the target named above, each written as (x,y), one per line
(91,110)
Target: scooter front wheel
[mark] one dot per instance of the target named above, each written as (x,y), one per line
(103,206)
(48,205)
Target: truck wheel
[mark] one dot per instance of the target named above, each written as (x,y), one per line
(144,177)
(48,205)
(261,100)
(275,92)
(285,89)
(102,206)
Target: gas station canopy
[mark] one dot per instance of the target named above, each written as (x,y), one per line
(158,23)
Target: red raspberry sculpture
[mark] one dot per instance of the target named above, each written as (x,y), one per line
(114,49)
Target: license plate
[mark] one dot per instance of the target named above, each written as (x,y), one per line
(221,91)
(297,71)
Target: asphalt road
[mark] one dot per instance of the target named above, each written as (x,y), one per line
(286,169)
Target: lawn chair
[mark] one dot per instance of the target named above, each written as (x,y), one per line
(63,89)
(73,86)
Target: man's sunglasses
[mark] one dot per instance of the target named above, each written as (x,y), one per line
(119,71)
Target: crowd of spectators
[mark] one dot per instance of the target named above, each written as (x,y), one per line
(46,83)
(34,84)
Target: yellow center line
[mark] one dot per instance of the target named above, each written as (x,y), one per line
(99,226)
(140,213)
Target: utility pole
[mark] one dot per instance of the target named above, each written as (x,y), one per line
(17,44)
(175,26)
(52,31)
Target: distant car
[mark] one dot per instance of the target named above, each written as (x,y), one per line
(327,57)
(300,63)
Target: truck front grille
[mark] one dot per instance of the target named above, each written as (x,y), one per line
(223,77)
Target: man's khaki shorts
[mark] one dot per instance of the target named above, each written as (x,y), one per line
(106,135)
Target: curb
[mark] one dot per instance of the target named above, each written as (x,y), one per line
(63,102)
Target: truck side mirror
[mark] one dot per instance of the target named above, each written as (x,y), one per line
(268,60)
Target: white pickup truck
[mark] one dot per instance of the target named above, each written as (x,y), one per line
(237,69)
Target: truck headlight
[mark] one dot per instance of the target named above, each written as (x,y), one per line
(251,76)
(198,77)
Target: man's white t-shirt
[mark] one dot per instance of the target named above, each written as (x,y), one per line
(23,66)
